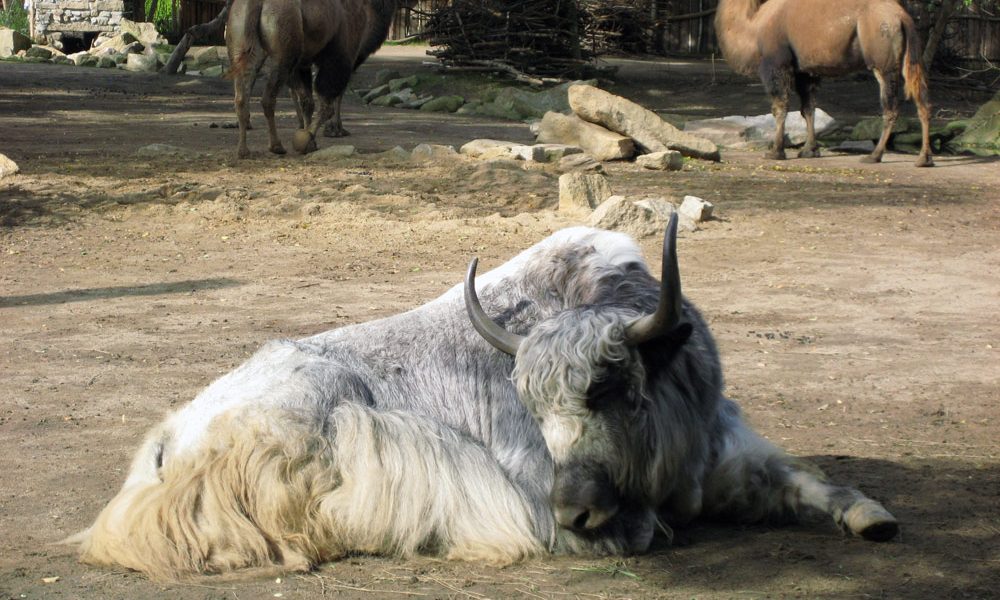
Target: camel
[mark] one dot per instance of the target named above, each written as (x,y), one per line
(792,43)
(294,36)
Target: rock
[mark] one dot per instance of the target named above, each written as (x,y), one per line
(12,42)
(579,162)
(982,132)
(580,193)
(213,71)
(107,62)
(394,155)
(38,52)
(394,98)
(470,108)
(144,32)
(618,213)
(375,92)
(335,152)
(871,129)
(203,57)
(62,60)
(862,146)
(518,104)
(404,82)
(141,63)
(668,160)
(443,104)
(417,102)
(661,207)
(738,131)
(117,43)
(159,150)
(384,76)
(8,167)
(696,209)
(557,128)
(545,152)
(84,59)
(649,131)
(433,153)
(486,148)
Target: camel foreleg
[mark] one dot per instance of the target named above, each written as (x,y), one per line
(777,79)
(889,89)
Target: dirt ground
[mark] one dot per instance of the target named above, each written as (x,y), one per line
(855,307)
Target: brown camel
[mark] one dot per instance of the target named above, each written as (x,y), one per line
(294,36)
(792,43)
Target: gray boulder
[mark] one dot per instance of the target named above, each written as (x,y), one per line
(144,32)
(982,134)
(434,153)
(649,131)
(696,209)
(142,63)
(579,162)
(545,152)
(639,218)
(518,104)
(38,52)
(580,193)
(739,131)
(331,153)
(443,104)
(12,42)
(600,143)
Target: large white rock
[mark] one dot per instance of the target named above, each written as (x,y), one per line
(737,131)
(485,148)
(144,32)
(696,208)
(8,167)
(141,62)
(649,131)
(602,144)
(668,160)
(580,193)
(335,152)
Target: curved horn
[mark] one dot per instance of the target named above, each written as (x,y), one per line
(497,336)
(668,312)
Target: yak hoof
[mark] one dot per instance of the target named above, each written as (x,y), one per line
(871,520)
(303,142)
(924,161)
(810,153)
(775,155)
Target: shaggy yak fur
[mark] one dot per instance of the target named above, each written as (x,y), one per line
(601,421)
(294,36)
(790,44)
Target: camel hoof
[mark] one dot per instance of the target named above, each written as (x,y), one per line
(871,159)
(812,153)
(303,142)
(775,155)
(243,153)
(279,149)
(871,521)
(335,132)
(924,161)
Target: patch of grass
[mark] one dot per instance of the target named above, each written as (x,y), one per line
(15,17)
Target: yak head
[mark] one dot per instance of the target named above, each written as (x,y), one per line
(582,375)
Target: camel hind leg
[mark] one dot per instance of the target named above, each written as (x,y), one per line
(243,82)
(333,71)
(806,86)
(755,481)
(889,88)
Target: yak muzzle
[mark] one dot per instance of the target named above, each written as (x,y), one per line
(583,496)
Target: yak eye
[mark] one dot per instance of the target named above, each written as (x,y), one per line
(610,390)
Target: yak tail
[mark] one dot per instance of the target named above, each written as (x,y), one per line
(913,70)
(242,34)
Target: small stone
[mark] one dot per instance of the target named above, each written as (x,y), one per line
(158,150)
(696,209)
(8,167)
(485,148)
(580,193)
(375,92)
(666,160)
(213,71)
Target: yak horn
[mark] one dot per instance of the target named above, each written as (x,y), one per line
(497,336)
(668,312)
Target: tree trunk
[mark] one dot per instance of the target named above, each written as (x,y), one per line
(152,11)
(943,14)
(194,34)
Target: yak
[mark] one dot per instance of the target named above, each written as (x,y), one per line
(296,36)
(564,402)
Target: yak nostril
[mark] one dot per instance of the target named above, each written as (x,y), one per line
(580,522)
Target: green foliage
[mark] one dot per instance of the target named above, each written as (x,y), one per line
(165,16)
(15,17)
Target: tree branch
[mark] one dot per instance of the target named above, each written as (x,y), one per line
(194,34)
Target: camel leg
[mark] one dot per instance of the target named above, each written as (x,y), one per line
(806,87)
(333,72)
(889,88)
(777,79)
(300,85)
(335,127)
(242,88)
(269,100)
(924,113)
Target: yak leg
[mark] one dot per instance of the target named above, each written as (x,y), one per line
(806,86)
(335,127)
(776,76)
(889,87)
(754,481)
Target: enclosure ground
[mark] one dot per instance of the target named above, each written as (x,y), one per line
(855,307)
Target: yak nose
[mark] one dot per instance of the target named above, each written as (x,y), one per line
(583,497)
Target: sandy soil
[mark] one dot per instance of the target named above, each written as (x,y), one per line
(855,306)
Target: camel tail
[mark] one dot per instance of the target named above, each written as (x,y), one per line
(913,71)
(242,34)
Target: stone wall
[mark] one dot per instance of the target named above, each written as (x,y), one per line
(55,16)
